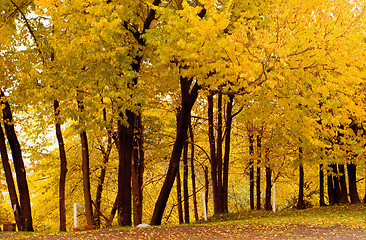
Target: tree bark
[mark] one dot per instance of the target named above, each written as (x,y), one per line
(330,188)
(193,175)
(268,205)
(185,182)
(188,99)
(179,198)
(321,185)
(63,167)
(213,161)
(125,136)
(225,184)
(138,171)
(352,181)
(20,172)
(219,155)
(343,193)
(301,202)
(336,191)
(86,172)
(251,170)
(10,182)
(259,147)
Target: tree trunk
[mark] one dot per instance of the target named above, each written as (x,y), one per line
(352,181)
(138,172)
(188,100)
(344,195)
(336,191)
(213,161)
(268,205)
(86,172)
(10,182)
(225,184)
(193,175)
(259,146)
(330,188)
(185,182)
(219,154)
(321,185)
(251,170)
(207,183)
(179,198)
(301,202)
(63,167)
(125,136)
(20,172)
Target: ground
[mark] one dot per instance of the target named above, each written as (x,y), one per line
(213,231)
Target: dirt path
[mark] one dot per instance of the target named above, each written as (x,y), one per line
(217,232)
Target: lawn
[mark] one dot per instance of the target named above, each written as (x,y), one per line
(346,222)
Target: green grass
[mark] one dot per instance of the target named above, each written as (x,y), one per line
(348,215)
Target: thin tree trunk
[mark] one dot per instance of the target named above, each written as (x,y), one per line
(321,185)
(185,182)
(225,184)
(193,175)
(301,202)
(259,146)
(351,169)
(213,161)
(344,195)
(10,182)
(188,99)
(179,198)
(268,205)
(20,172)
(86,172)
(138,172)
(219,154)
(63,167)
(251,170)
(207,183)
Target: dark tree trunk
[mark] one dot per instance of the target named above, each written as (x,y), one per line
(86,172)
(138,172)
(219,154)
(63,167)
(352,181)
(188,100)
(343,194)
(185,182)
(213,161)
(336,191)
(101,179)
(321,185)
(10,182)
(330,188)
(225,184)
(125,136)
(251,170)
(179,198)
(301,202)
(268,205)
(259,146)
(20,172)
(113,211)
(193,175)
(207,183)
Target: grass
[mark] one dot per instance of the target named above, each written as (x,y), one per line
(347,215)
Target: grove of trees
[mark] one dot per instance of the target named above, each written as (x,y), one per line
(133,109)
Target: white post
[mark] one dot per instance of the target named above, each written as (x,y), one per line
(274,198)
(204,206)
(75,216)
